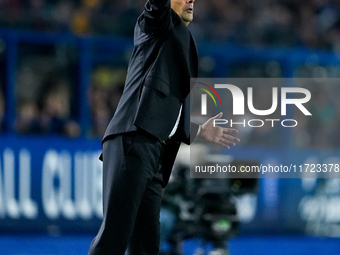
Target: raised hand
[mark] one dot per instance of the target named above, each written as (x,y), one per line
(216,134)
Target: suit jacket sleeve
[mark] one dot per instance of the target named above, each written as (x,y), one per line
(193,131)
(157,16)
(190,128)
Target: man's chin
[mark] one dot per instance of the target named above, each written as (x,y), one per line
(188,18)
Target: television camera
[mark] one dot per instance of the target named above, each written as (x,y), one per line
(205,207)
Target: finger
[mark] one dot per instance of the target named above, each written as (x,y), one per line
(231,138)
(220,143)
(218,116)
(225,141)
(230,130)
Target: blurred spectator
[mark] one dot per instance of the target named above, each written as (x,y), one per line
(28,119)
(276,24)
(62,14)
(321,124)
(321,129)
(105,92)
(11,12)
(50,121)
(80,21)
(43,90)
(315,23)
(55,115)
(101,117)
(300,136)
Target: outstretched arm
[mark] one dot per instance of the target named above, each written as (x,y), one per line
(157,16)
(217,134)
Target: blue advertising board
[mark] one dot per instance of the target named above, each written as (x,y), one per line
(306,205)
(54,185)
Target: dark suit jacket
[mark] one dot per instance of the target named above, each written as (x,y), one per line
(163,61)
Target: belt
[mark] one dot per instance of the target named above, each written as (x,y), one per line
(146,134)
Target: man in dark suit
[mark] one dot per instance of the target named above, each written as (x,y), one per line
(151,120)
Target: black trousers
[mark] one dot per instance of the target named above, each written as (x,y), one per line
(132,193)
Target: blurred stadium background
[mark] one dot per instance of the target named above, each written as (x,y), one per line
(62,71)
